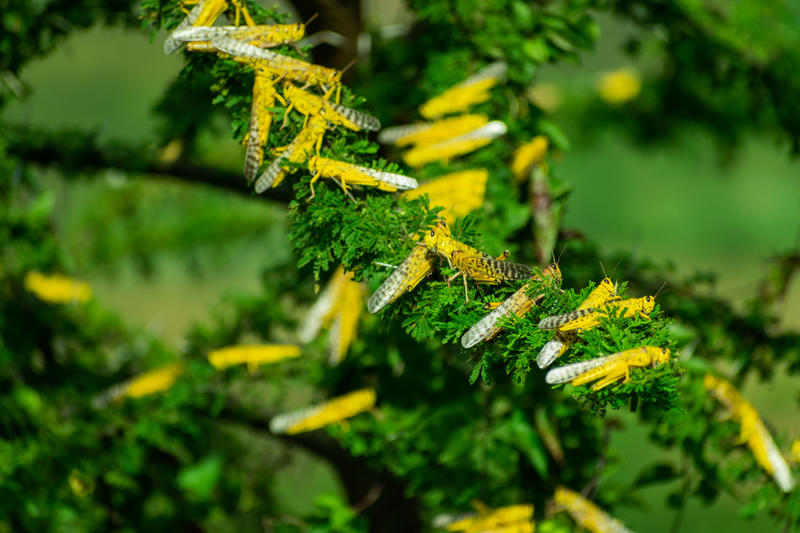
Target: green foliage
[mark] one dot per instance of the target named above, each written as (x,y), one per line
(451,426)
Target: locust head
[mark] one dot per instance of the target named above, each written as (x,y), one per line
(297,32)
(438,233)
(647,304)
(552,271)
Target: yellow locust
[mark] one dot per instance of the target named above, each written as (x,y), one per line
(458,192)
(204,13)
(311,105)
(299,150)
(584,319)
(455,146)
(348,174)
(605,291)
(518,304)
(586,514)
(318,416)
(753,432)
(608,369)
(427,133)
(471,91)
(339,305)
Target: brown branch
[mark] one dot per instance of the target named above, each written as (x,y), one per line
(345,17)
(78,153)
(378,495)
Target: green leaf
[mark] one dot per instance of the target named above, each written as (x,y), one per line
(199,480)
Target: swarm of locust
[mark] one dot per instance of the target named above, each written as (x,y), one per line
(438,243)
(248,45)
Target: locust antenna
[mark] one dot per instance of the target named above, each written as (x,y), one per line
(563,249)
(350,64)
(660,289)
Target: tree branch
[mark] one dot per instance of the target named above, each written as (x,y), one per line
(379,496)
(79,152)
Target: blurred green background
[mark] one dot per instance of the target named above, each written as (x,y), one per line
(686,202)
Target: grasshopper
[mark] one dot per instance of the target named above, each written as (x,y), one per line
(605,291)
(341,303)
(437,241)
(459,192)
(753,432)
(471,91)
(204,13)
(310,104)
(299,151)
(586,514)
(455,146)
(426,133)
(330,412)
(527,156)
(145,384)
(517,304)
(349,174)
(609,368)
(471,262)
(264,96)
(251,355)
(199,37)
(588,318)
(57,288)
(279,65)
(345,323)
(512,518)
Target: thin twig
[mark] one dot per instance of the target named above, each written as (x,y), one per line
(686,468)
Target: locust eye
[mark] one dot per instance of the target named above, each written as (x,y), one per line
(433,233)
(647,299)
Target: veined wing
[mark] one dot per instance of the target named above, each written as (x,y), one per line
(275,33)
(569,372)
(407,276)
(172,43)
(274,170)
(551,351)
(486,327)
(363,120)
(556,321)
(398,181)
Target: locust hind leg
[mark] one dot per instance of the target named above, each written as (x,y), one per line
(606,381)
(314,177)
(241,10)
